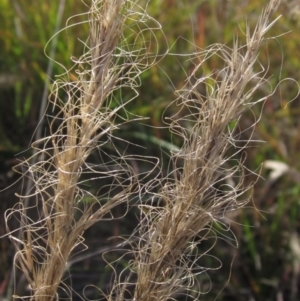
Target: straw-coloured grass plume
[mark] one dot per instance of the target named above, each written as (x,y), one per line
(60,209)
(167,259)
(196,192)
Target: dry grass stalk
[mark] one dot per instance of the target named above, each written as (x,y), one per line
(63,209)
(166,260)
(166,255)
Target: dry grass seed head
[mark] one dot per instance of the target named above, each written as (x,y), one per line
(86,122)
(193,198)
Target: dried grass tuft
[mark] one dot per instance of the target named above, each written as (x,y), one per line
(63,208)
(198,191)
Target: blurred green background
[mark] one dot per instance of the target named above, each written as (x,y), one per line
(266,264)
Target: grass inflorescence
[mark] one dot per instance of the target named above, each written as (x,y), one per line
(184,208)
